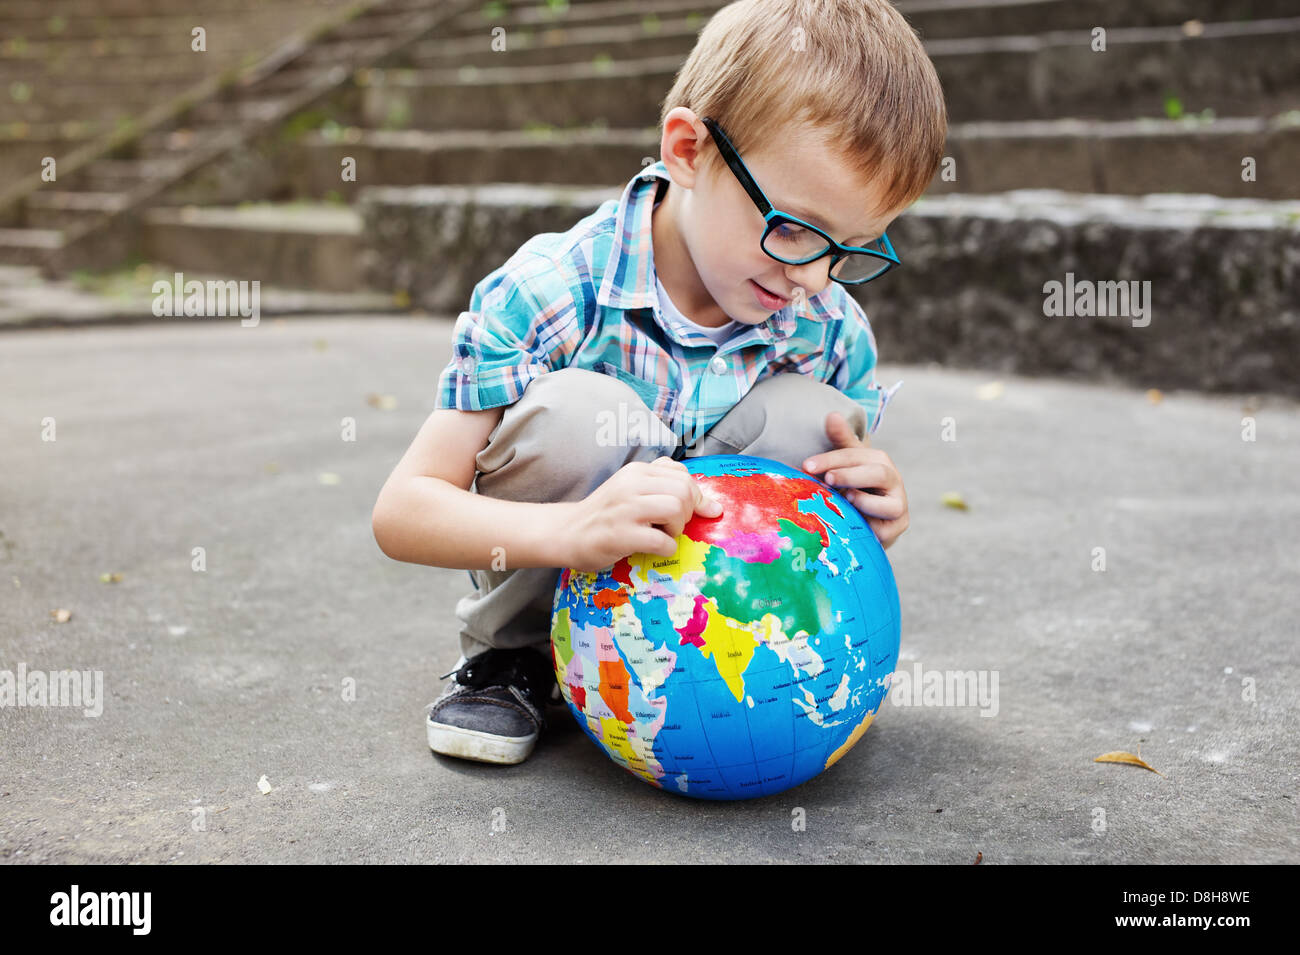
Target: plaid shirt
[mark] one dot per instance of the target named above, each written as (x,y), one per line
(587,298)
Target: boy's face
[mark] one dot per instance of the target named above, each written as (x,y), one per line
(721,228)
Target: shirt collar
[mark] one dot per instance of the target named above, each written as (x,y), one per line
(629,278)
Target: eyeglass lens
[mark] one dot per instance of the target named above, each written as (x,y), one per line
(793,244)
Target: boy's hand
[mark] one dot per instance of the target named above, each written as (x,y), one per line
(865,476)
(641,508)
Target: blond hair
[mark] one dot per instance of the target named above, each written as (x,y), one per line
(853,69)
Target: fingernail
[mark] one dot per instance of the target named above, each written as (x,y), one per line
(808,465)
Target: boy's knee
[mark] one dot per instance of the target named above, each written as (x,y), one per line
(593,411)
(579,426)
(798,404)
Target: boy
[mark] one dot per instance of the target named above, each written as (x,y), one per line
(704,312)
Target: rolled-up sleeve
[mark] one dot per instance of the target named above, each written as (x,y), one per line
(520,324)
(853,366)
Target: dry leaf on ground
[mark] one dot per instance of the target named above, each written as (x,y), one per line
(1127,758)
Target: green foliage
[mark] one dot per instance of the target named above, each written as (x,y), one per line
(398,115)
(299,124)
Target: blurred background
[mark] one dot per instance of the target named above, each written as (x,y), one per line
(355,156)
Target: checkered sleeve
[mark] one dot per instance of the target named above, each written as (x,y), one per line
(854,365)
(520,324)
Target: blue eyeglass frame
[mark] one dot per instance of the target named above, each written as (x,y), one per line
(775,217)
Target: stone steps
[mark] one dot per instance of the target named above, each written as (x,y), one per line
(185,147)
(1223,272)
(59,209)
(1231,68)
(311,246)
(175,22)
(40,12)
(574,101)
(1224,313)
(121,175)
(74,73)
(67,104)
(29,246)
(1127,157)
(933,19)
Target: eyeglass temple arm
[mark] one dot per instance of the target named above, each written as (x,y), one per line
(732,159)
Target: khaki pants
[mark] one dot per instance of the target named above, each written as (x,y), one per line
(548,447)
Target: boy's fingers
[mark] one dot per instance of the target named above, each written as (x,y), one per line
(887,506)
(860,476)
(702,503)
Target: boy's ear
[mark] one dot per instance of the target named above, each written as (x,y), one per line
(684,138)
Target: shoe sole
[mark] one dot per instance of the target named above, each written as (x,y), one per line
(480,747)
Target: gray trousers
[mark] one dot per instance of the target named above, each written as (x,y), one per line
(548,447)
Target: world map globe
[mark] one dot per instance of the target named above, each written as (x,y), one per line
(752,659)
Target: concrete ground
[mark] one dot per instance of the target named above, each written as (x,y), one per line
(204,434)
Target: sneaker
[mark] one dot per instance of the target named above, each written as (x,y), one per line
(494,709)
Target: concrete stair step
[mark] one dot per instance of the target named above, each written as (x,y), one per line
(162,143)
(1217,279)
(933,19)
(464,157)
(119,70)
(60,210)
(1219,312)
(629,34)
(672,35)
(1232,68)
(116,298)
(300,245)
(223,28)
(1130,157)
(331,52)
(237,111)
(382,23)
(66,106)
(119,175)
(31,247)
(513,97)
(299,76)
(21,157)
(540,16)
(39,12)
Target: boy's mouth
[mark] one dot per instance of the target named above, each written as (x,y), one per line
(767,298)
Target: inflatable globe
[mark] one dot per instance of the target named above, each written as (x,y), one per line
(749,661)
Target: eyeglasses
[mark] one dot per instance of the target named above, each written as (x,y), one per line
(790,240)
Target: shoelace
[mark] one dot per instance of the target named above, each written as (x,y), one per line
(497,667)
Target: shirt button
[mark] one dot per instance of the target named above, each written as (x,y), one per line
(718,365)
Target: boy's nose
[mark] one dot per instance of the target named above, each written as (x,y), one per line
(812,277)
